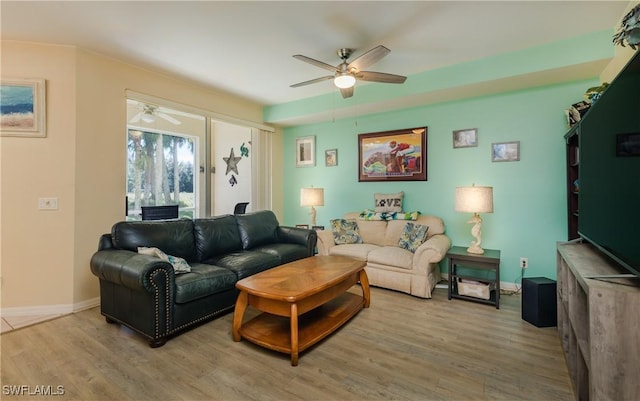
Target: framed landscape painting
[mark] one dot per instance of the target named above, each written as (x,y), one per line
(399,155)
(22,108)
(505,151)
(465,138)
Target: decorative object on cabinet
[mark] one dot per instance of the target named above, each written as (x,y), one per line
(23,107)
(593,94)
(505,151)
(475,200)
(306,151)
(331,157)
(312,197)
(629,30)
(465,138)
(399,155)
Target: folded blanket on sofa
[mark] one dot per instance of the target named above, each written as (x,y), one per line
(368,214)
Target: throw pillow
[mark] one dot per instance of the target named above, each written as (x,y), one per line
(413,236)
(179,265)
(388,202)
(345,232)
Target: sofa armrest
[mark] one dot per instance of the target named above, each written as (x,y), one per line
(297,235)
(325,242)
(432,250)
(132,270)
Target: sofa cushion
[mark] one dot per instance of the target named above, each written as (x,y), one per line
(345,232)
(391,256)
(245,263)
(174,237)
(285,252)
(388,202)
(356,251)
(436,225)
(372,232)
(216,235)
(413,236)
(257,228)
(202,281)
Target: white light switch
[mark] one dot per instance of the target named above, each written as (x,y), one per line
(48,203)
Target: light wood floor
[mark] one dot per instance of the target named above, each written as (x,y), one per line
(402,348)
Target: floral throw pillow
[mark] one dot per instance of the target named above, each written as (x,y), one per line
(345,232)
(179,265)
(413,236)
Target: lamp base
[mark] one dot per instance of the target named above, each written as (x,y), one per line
(475,249)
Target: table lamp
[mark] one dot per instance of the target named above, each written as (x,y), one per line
(475,200)
(312,197)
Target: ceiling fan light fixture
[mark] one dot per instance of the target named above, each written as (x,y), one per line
(148,118)
(344,81)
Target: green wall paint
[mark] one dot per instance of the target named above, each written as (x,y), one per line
(529,195)
(557,55)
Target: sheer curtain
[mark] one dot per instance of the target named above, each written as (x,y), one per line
(261,184)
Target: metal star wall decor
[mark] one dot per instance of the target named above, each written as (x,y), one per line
(232,162)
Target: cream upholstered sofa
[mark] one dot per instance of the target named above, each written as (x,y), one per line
(389,265)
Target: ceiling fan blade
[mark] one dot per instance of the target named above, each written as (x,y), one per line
(347,92)
(169,118)
(313,81)
(316,62)
(372,76)
(369,58)
(136,118)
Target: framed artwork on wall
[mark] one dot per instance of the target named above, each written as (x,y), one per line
(23,107)
(465,138)
(505,151)
(306,151)
(399,155)
(331,157)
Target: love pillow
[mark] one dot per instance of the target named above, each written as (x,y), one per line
(388,202)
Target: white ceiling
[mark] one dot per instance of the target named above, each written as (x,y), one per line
(246,47)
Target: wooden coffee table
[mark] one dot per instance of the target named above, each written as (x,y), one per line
(303,302)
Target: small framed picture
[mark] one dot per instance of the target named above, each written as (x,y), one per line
(302,226)
(505,151)
(465,138)
(306,151)
(331,157)
(317,228)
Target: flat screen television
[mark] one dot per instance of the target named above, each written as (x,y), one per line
(609,177)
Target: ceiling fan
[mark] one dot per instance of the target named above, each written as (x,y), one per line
(346,73)
(150,112)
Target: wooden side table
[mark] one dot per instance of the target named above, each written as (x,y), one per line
(485,267)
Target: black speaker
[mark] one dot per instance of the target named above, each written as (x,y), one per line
(539,301)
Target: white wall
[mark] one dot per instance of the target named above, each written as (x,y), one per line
(225,194)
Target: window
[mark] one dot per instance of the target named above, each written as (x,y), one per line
(163,168)
(179,154)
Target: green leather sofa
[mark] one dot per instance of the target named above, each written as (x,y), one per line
(144,293)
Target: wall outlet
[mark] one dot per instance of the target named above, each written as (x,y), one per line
(524,263)
(48,203)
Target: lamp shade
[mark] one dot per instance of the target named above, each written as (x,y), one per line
(474,199)
(312,197)
(344,81)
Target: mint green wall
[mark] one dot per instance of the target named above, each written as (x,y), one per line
(529,195)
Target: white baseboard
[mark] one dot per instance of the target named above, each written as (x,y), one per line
(43,310)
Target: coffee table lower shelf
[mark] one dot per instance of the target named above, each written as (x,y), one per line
(274,332)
